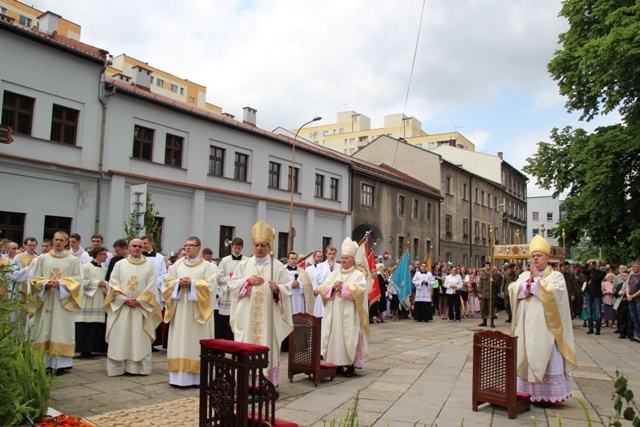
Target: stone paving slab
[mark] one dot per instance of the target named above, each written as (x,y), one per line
(430,383)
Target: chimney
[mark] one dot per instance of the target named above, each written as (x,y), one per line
(231,116)
(500,154)
(122,77)
(141,77)
(48,22)
(249,116)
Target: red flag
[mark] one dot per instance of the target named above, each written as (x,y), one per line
(374,293)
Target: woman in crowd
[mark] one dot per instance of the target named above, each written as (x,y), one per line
(394,302)
(441,297)
(452,284)
(473,302)
(608,290)
(464,291)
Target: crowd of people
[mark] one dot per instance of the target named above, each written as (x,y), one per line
(130,303)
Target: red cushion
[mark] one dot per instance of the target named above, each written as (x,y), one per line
(234,347)
(522,395)
(278,423)
(328,365)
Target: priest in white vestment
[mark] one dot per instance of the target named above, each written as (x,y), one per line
(542,323)
(91,320)
(56,284)
(261,309)
(189,290)
(133,313)
(227,267)
(345,326)
(297,290)
(322,271)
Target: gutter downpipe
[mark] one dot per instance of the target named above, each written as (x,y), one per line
(102,96)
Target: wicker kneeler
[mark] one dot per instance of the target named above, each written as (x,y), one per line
(494,373)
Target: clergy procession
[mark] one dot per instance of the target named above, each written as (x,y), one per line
(134,302)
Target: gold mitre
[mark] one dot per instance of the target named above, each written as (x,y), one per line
(349,247)
(262,232)
(539,244)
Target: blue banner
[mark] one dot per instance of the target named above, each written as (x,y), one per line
(401,280)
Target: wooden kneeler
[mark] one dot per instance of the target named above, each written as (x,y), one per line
(304,349)
(494,373)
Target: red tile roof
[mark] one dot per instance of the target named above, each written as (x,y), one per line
(53,39)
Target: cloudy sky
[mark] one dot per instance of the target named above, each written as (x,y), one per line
(480,66)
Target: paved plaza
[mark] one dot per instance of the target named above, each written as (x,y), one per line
(415,372)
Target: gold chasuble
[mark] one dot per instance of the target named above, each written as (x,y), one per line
(346,320)
(131,330)
(54,319)
(257,317)
(540,323)
(190,313)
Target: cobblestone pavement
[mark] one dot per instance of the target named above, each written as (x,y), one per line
(415,372)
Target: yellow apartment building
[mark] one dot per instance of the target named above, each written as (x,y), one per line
(353,131)
(29,17)
(163,83)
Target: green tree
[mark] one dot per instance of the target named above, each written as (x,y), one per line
(598,70)
(25,384)
(151,225)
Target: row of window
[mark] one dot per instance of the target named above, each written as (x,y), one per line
(535,216)
(368,199)
(480,229)
(172,87)
(514,185)
(12,226)
(17,113)
(537,231)
(485,199)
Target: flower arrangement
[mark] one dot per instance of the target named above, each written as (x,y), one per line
(63,421)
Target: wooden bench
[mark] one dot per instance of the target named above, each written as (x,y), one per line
(233,389)
(494,373)
(304,349)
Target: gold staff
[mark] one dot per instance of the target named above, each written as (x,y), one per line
(493,325)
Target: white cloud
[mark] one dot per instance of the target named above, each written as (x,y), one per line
(293,60)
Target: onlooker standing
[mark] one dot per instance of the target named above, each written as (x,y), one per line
(509,277)
(452,284)
(608,292)
(486,292)
(593,296)
(625,324)
(633,296)
(383,283)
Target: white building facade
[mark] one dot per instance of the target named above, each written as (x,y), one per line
(544,213)
(89,138)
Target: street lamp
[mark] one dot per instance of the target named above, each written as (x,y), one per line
(291,178)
